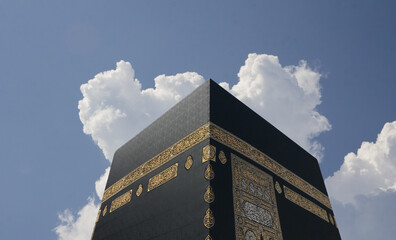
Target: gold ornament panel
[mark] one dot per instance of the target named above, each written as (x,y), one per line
(278,188)
(209,153)
(188,163)
(209,195)
(139,190)
(97,217)
(209,172)
(222,157)
(121,201)
(255,208)
(305,203)
(209,220)
(331,219)
(163,177)
(104,211)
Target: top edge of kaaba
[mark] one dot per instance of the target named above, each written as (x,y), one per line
(211,103)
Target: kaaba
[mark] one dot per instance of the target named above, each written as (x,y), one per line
(210,168)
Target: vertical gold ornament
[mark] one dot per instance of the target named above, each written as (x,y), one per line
(209,153)
(209,220)
(188,163)
(331,219)
(278,187)
(104,211)
(139,190)
(208,237)
(209,196)
(209,173)
(222,157)
(97,217)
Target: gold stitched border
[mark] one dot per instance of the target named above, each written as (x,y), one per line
(249,151)
(121,201)
(305,203)
(221,135)
(165,156)
(162,177)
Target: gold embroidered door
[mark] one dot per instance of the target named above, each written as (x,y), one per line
(255,208)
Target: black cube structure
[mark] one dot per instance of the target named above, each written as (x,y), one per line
(211,168)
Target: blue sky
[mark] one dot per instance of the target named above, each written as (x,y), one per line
(48,49)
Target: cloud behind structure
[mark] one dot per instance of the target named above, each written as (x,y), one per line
(363,190)
(115,108)
(285,96)
(369,171)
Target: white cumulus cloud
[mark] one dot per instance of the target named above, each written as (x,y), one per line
(285,96)
(370,171)
(79,228)
(100,184)
(115,108)
(363,190)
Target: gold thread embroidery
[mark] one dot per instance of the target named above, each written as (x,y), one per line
(241,146)
(278,188)
(139,190)
(225,138)
(305,203)
(188,163)
(222,157)
(97,217)
(162,177)
(209,220)
(121,201)
(165,156)
(208,237)
(255,207)
(209,196)
(104,211)
(209,173)
(209,153)
(331,219)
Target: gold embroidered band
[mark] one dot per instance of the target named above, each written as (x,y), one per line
(165,156)
(162,177)
(305,203)
(213,131)
(121,201)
